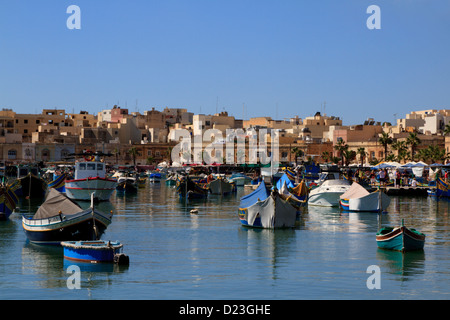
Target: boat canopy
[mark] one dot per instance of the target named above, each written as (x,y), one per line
(355,191)
(55,202)
(284,179)
(260,193)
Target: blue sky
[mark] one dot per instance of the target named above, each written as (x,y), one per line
(277,58)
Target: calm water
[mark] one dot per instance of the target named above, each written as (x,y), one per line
(178,255)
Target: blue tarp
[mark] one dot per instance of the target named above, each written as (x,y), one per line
(289,182)
(260,193)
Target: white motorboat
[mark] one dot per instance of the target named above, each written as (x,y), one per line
(90,176)
(328,193)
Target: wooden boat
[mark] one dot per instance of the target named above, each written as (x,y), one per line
(90,176)
(141,182)
(298,196)
(94,251)
(357,198)
(60,219)
(29,176)
(9,198)
(266,209)
(400,239)
(240,179)
(171,181)
(155,177)
(59,183)
(186,187)
(221,186)
(127,184)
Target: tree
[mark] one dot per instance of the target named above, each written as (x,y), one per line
(413,141)
(362,154)
(349,155)
(326,156)
(385,140)
(298,153)
(401,148)
(447,129)
(133,153)
(341,146)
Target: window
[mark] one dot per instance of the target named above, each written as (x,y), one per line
(45,154)
(25,130)
(91,166)
(12,154)
(82,166)
(99,166)
(38,121)
(149,153)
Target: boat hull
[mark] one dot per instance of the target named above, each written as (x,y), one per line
(400,239)
(325,199)
(60,228)
(221,187)
(272,213)
(369,203)
(91,251)
(32,186)
(81,189)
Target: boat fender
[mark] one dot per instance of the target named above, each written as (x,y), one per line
(121,259)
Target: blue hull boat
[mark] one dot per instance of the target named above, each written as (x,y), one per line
(400,239)
(8,199)
(92,251)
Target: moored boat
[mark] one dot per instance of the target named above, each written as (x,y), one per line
(94,251)
(127,184)
(327,194)
(266,209)
(221,186)
(186,187)
(60,219)
(357,198)
(400,239)
(59,183)
(9,198)
(90,176)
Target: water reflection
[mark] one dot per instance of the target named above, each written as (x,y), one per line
(405,264)
(272,246)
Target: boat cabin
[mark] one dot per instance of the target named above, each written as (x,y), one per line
(89,169)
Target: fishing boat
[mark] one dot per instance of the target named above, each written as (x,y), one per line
(221,186)
(186,187)
(155,177)
(90,176)
(171,180)
(357,198)
(328,193)
(266,209)
(127,184)
(59,183)
(60,219)
(9,198)
(297,196)
(31,182)
(400,238)
(141,182)
(96,251)
(240,179)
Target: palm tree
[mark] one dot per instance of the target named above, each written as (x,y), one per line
(385,140)
(401,148)
(362,154)
(341,146)
(326,156)
(349,155)
(133,152)
(414,141)
(298,153)
(447,129)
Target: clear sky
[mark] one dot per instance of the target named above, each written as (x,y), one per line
(277,58)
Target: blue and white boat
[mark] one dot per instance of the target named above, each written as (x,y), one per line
(59,183)
(266,209)
(9,198)
(94,251)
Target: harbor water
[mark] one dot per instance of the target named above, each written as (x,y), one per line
(175,254)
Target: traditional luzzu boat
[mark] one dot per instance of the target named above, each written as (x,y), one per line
(9,198)
(266,209)
(32,185)
(60,219)
(186,187)
(127,184)
(59,183)
(90,177)
(97,251)
(221,186)
(400,238)
(357,198)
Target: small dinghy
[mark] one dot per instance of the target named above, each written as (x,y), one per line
(400,239)
(94,251)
